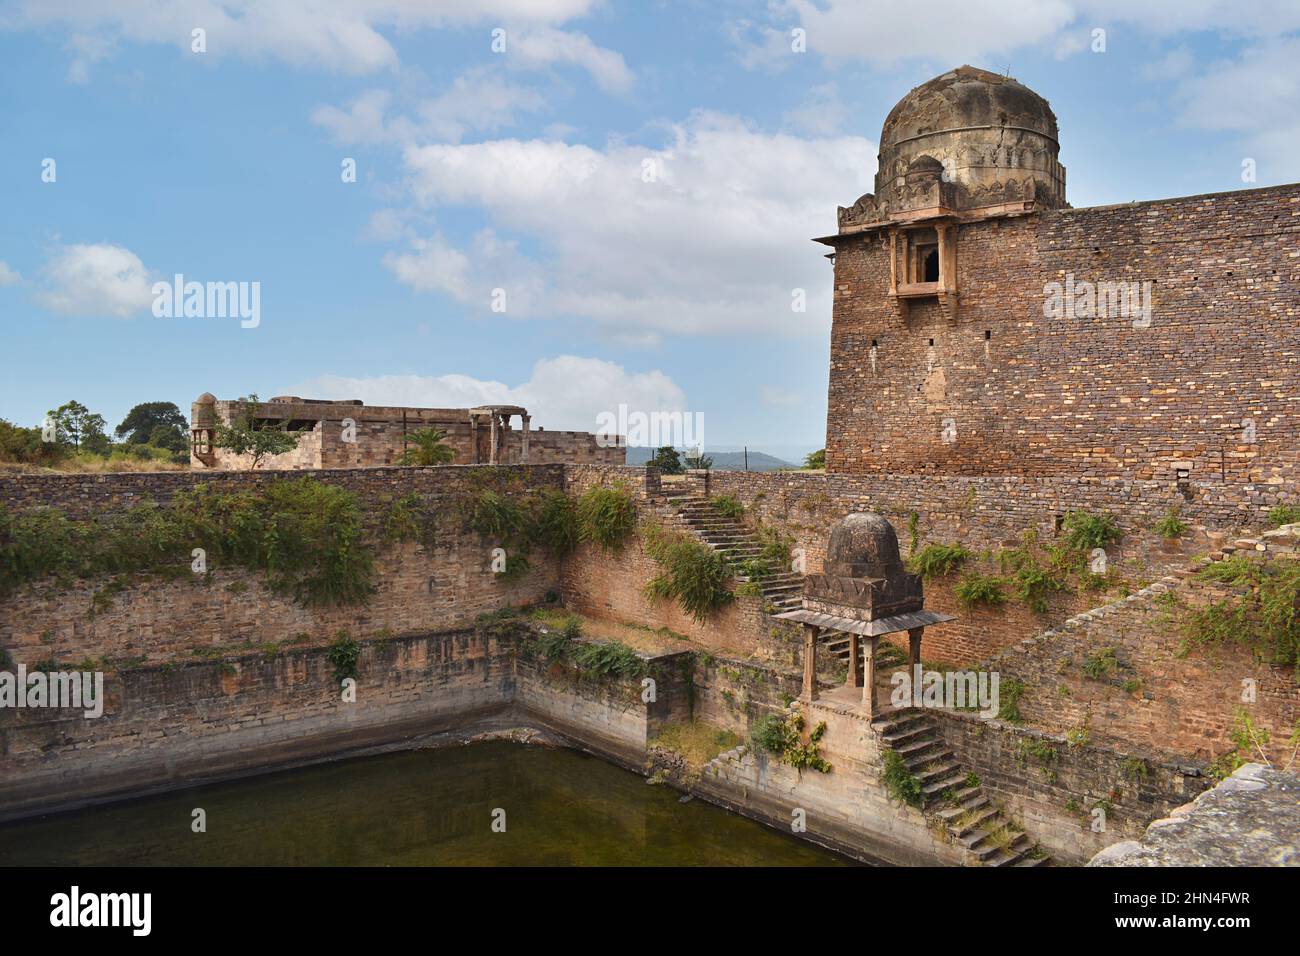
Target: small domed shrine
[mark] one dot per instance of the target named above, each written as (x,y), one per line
(864,590)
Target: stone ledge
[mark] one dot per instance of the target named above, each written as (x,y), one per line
(1250,819)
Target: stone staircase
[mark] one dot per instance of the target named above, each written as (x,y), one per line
(781,588)
(970,819)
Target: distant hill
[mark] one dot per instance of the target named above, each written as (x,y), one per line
(722,460)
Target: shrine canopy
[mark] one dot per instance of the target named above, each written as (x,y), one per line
(864,588)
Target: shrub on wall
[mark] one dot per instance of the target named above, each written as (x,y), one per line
(1031,578)
(727,506)
(305,536)
(1085,531)
(555,525)
(1170,526)
(607,516)
(938,560)
(1261,615)
(1283,514)
(975,589)
(343,655)
(693,574)
(561,645)
(781,736)
(899,782)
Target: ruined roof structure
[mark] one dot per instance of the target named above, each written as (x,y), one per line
(984,327)
(347,433)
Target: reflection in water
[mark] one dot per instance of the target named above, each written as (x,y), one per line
(416,808)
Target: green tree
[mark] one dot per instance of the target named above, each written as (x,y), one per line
(142,423)
(815,459)
(245,436)
(667,461)
(27,445)
(430,448)
(698,461)
(78,426)
(168,438)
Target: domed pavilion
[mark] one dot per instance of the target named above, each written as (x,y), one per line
(865,591)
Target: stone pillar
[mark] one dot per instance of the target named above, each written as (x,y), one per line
(492,448)
(855,658)
(473,440)
(914,649)
(893,262)
(869,677)
(942,251)
(810,632)
(524,438)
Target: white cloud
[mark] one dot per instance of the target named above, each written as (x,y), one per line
(821,113)
(95,279)
(944,31)
(8,276)
(778,396)
(346,35)
(716,242)
(478,100)
(544,46)
(1258,96)
(364,121)
(1173,65)
(565,392)
(950,32)
(86,52)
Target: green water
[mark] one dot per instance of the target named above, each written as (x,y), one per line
(416,808)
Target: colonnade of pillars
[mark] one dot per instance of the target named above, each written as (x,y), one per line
(860,649)
(497,423)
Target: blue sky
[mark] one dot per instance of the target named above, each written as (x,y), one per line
(642,180)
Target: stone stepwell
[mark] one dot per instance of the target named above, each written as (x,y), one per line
(737,543)
(952,798)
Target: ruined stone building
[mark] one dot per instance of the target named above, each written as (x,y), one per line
(351,434)
(982,326)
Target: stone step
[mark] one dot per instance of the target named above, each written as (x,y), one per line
(1002,856)
(982,816)
(1031,860)
(971,793)
(915,760)
(952,780)
(916,746)
(883,724)
(944,771)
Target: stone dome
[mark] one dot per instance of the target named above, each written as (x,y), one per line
(963,98)
(994,136)
(863,545)
(207,398)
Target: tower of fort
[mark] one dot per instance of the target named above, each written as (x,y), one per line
(982,326)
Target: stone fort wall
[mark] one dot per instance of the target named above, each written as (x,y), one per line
(986,514)
(441,584)
(1006,391)
(382,436)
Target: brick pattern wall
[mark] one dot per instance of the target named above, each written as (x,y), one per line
(165,725)
(1054,797)
(1187,697)
(1027,395)
(420,587)
(988,514)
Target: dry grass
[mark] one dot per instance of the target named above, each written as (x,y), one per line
(697,742)
(92,465)
(639,638)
